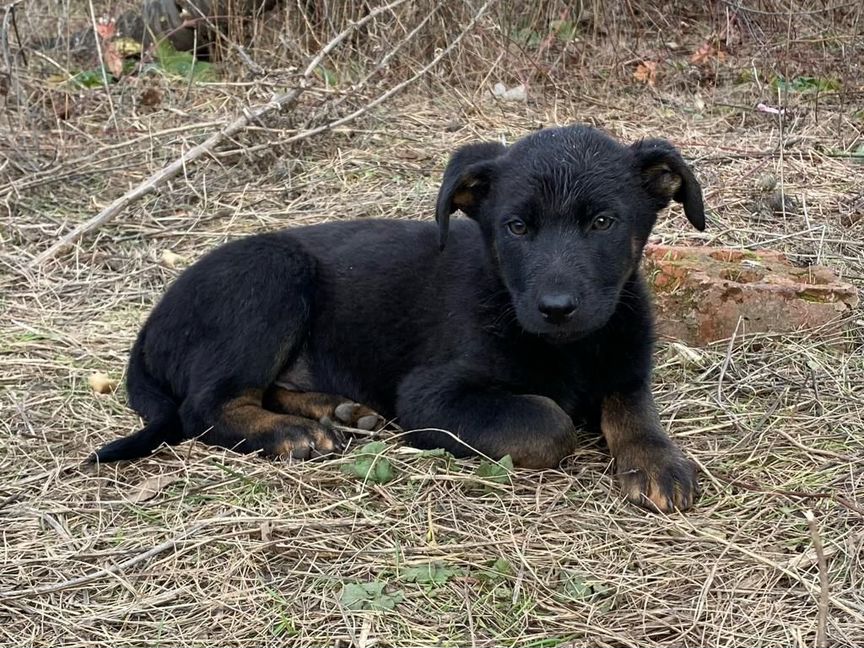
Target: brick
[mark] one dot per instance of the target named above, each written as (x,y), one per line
(701,292)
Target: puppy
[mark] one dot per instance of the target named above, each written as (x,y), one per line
(507,328)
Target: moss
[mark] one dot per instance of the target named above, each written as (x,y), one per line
(817,296)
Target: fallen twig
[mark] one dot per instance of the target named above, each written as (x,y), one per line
(386,95)
(279,102)
(824,591)
(113,569)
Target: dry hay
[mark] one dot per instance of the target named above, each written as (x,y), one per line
(199,546)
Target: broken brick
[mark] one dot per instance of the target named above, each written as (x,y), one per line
(701,293)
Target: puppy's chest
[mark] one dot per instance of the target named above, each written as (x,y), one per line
(570,382)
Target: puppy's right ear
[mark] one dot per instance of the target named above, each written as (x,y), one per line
(466,183)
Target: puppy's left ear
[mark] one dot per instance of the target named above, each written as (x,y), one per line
(467,180)
(665,176)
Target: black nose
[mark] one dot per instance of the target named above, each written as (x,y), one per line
(557,309)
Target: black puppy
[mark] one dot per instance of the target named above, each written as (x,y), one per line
(534,315)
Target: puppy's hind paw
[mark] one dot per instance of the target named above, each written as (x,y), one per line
(357,416)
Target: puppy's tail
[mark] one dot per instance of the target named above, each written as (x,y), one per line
(150,399)
(139,444)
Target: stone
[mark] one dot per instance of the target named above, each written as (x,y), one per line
(700,293)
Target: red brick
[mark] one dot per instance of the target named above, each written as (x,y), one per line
(701,292)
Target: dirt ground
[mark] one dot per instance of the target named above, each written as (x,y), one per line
(199,546)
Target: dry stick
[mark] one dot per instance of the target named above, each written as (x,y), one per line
(249,115)
(726,361)
(113,569)
(824,592)
(383,97)
(385,60)
(174,542)
(98,39)
(854,612)
(6,49)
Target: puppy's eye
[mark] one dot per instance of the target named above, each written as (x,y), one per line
(602,222)
(517,227)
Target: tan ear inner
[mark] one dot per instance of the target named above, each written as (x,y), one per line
(663,179)
(464,196)
(463,199)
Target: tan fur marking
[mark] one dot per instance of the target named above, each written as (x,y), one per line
(664,180)
(309,404)
(313,405)
(246,416)
(621,424)
(245,420)
(463,199)
(636,439)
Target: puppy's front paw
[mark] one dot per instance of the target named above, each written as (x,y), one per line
(656,475)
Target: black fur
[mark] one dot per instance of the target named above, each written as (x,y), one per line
(439,327)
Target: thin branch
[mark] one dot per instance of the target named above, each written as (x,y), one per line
(99,573)
(726,361)
(102,66)
(279,102)
(824,590)
(385,96)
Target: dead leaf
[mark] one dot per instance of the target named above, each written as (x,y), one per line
(171,259)
(731,35)
(151,487)
(646,72)
(151,97)
(106,28)
(101,383)
(266,531)
(811,557)
(126,46)
(113,60)
(709,50)
(851,218)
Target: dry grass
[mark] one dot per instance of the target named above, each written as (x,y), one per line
(233,550)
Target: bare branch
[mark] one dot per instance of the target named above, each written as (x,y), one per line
(280,102)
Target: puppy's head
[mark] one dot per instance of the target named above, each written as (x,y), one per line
(566,213)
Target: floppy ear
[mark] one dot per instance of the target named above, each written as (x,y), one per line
(466,182)
(665,176)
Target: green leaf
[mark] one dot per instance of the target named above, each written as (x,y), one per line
(182,64)
(328,76)
(497,472)
(434,573)
(370,464)
(497,570)
(526,36)
(89,79)
(577,588)
(564,30)
(806,84)
(437,452)
(574,586)
(502,593)
(502,567)
(285,627)
(369,596)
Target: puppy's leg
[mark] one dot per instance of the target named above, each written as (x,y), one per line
(532,429)
(244,425)
(654,473)
(321,407)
